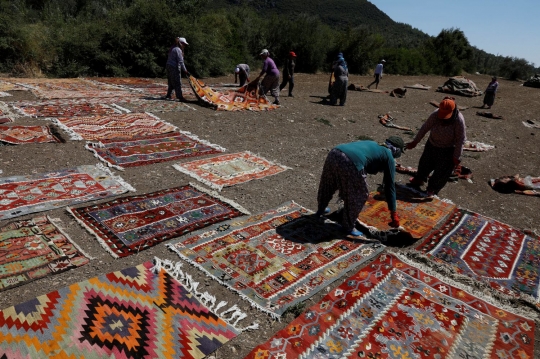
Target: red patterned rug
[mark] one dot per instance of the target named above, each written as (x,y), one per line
(243,98)
(151,105)
(395,309)
(489,251)
(20,195)
(130,224)
(418,216)
(159,148)
(145,311)
(230,169)
(275,259)
(110,127)
(34,248)
(51,109)
(18,135)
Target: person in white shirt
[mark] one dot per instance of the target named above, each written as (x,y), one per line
(378,74)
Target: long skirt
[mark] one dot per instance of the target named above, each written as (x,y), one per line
(270,83)
(174,82)
(439,161)
(489,98)
(340,174)
(339,91)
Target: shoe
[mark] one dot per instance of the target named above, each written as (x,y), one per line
(326,211)
(164,98)
(429,195)
(413,181)
(356,233)
(291,95)
(276,102)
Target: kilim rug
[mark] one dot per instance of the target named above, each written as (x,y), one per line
(489,251)
(158,148)
(11,86)
(35,248)
(418,217)
(18,135)
(393,309)
(83,94)
(151,106)
(109,127)
(275,259)
(20,195)
(46,109)
(130,224)
(5,114)
(138,312)
(159,91)
(131,82)
(230,169)
(243,98)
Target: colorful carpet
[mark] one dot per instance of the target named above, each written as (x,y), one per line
(230,169)
(243,98)
(159,148)
(110,127)
(130,224)
(138,312)
(62,110)
(11,86)
(20,195)
(490,251)
(275,259)
(35,248)
(527,185)
(131,82)
(18,135)
(392,309)
(418,216)
(68,94)
(151,106)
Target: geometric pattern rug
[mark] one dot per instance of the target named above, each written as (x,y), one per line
(275,259)
(488,251)
(158,148)
(141,105)
(137,312)
(230,169)
(109,127)
(18,135)
(418,217)
(20,195)
(130,224)
(394,309)
(51,109)
(35,248)
(243,98)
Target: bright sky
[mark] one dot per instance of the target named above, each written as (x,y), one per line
(500,27)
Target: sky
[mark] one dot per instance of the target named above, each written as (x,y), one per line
(500,27)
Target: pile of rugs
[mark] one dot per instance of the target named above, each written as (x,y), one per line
(534,81)
(456,294)
(460,85)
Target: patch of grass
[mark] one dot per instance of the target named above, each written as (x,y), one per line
(476,156)
(364,138)
(352,121)
(410,133)
(324,121)
(296,309)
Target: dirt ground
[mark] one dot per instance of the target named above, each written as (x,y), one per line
(299,135)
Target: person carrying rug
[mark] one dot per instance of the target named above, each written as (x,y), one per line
(288,73)
(378,74)
(443,149)
(175,66)
(491,90)
(345,170)
(338,90)
(270,81)
(241,71)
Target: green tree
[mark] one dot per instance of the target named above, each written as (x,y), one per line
(451,51)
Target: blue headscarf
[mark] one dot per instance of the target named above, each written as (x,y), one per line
(341,61)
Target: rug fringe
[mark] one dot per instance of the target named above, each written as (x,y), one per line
(175,128)
(204,142)
(90,146)
(479,289)
(120,108)
(56,221)
(72,134)
(198,178)
(242,295)
(231,316)
(221,198)
(119,179)
(92,232)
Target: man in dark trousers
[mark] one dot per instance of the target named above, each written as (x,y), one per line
(288,73)
(175,67)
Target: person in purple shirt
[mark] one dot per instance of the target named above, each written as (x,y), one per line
(270,82)
(175,66)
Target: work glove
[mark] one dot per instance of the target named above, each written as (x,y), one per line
(395,219)
(456,161)
(188,74)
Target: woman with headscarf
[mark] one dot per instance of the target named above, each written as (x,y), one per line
(340,73)
(443,149)
(345,170)
(491,90)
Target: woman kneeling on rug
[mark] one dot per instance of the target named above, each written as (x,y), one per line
(346,169)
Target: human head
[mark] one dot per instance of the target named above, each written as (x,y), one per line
(237,70)
(264,53)
(181,41)
(494,78)
(292,54)
(396,145)
(383,61)
(446,108)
